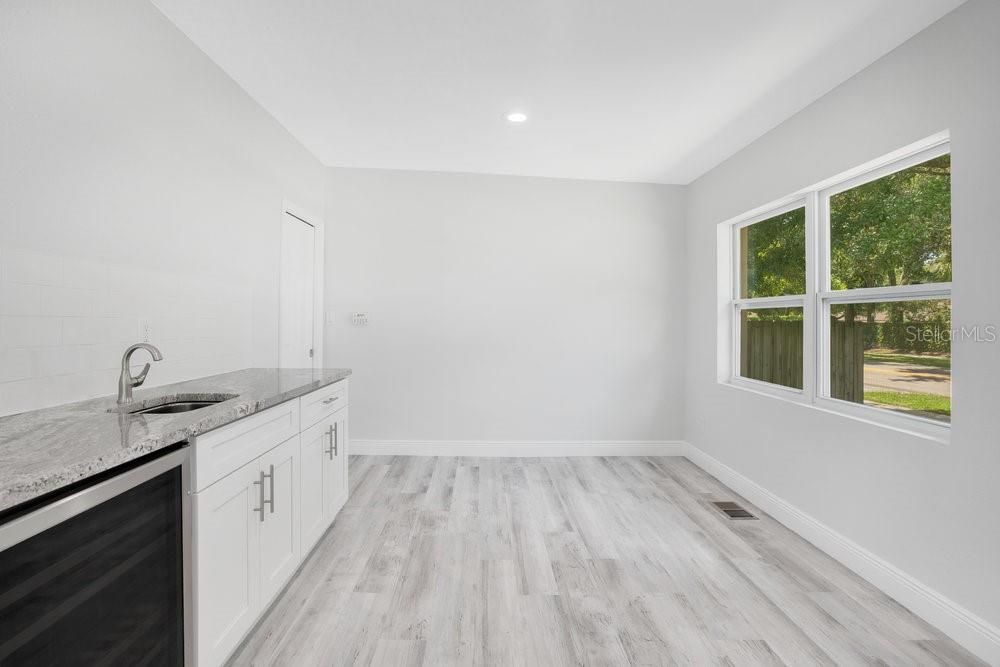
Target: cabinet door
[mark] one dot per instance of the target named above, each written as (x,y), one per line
(312,466)
(279,530)
(335,472)
(226,585)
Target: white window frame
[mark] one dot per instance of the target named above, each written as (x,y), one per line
(819,296)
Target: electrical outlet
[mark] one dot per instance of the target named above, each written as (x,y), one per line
(359,319)
(145,330)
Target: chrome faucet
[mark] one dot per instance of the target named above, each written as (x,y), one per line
(125,381)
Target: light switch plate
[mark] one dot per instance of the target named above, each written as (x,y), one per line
(359,319)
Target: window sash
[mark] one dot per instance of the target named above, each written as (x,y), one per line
(824,272)
(804,301)
(737,352)
(823,361)
(765,214)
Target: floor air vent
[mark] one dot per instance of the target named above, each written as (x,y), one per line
(733,510)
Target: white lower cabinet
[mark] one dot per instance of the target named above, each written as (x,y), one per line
(279,528)
(313,471)
(254,525)
(324,475)
(227,556)
(247,547)
(335,472)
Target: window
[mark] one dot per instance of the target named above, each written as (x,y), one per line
(841,295)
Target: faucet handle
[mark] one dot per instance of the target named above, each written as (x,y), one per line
(141,377)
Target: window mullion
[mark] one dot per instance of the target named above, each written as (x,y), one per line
(821,318)
(809,321)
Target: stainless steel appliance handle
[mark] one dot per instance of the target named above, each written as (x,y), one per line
(20,529)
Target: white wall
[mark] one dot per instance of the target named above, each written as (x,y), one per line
(506,308)
(137,182)
(926,508)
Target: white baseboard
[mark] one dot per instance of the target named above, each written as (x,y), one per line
(517,448)
(971,631)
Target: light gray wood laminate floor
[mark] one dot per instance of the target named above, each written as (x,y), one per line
(573,561)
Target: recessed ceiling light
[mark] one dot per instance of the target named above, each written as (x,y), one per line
(516,117)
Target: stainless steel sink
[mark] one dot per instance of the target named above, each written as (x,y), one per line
(172,404)
(177,406)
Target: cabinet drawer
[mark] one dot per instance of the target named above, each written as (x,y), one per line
(323,402)
(220,452)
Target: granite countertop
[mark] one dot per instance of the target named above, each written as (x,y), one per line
(44,450)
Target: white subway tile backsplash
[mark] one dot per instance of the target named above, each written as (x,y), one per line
(86,273)
(56,361)
(81,330)
(15,365)
(20,299)
(65,321)
(25,266)
(66,301)
(29,331)
(101,356)
(92,330)
(122,329)
(23,395)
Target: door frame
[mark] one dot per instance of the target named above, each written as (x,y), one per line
(319,254)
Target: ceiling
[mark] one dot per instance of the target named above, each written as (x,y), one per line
(637,90)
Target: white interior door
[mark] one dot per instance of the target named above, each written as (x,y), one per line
(298,253)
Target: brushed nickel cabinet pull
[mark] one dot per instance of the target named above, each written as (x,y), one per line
(271,501)
(336,439)
(260,483)
(330,400)
(330,452)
